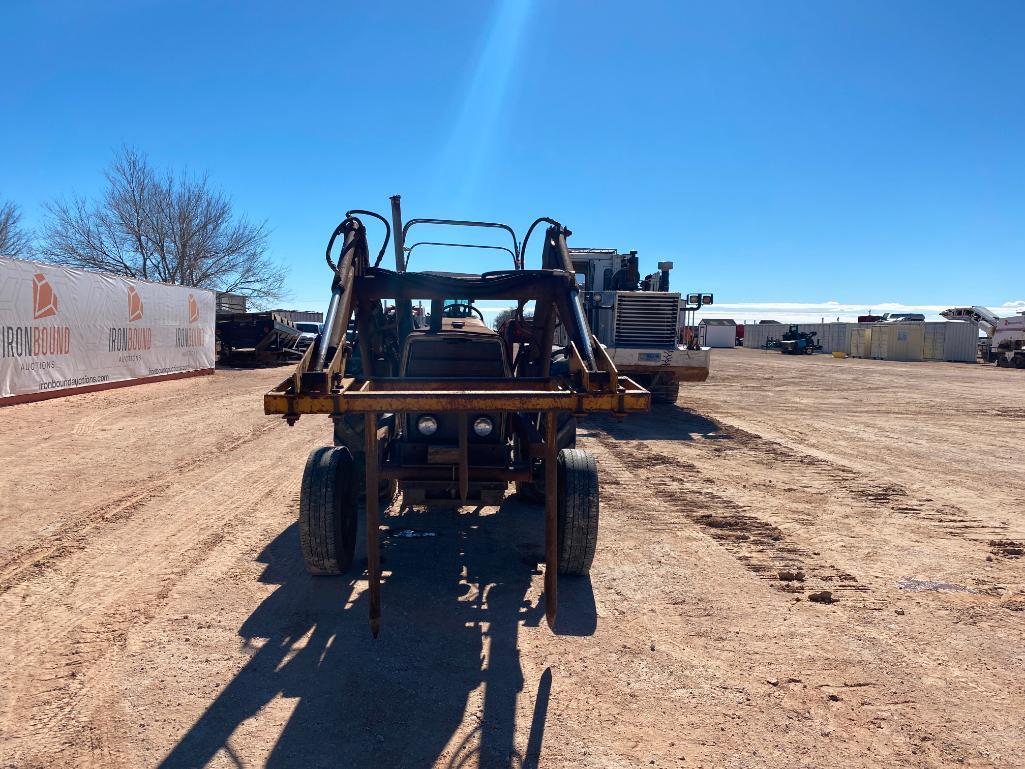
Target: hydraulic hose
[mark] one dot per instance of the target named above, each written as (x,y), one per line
(523,248)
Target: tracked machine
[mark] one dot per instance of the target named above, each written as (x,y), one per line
(638,320)
(451,413)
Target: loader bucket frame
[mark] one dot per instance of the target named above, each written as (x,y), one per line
(319,385)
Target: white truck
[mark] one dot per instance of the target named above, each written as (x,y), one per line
(1005,337)
(638,320)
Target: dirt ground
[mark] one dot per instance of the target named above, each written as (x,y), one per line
(154,610)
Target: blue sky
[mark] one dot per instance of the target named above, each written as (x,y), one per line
(777,152)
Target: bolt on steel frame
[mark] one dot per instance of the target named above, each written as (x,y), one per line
(319,385)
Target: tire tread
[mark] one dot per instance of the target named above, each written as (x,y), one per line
(327,511)
(578,511)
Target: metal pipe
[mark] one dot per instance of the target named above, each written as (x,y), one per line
(586,350)
(463,223)
(399,236)
(373,530)
(403,306)
(576,307)
(409,251)
(332,335)
(551,519)
(464,457)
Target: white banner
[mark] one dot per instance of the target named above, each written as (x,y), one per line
(64,329)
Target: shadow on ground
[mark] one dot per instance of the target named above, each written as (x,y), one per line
(663,422)
(399,701)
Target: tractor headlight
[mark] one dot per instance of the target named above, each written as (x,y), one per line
(427,425)
(483,426)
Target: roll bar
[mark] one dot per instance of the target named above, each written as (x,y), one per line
(409,250)
(466,223)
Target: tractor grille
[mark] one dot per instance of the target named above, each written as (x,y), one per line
(647,319)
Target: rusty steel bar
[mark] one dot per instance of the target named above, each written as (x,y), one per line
(551,519)
(281,401)
(373,530)
(464,458)
(449,473)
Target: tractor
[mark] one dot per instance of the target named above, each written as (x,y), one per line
(450,412)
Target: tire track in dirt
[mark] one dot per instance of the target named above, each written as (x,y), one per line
(75,615)
(951,519)
(680,494)
(72,536)
(75,658)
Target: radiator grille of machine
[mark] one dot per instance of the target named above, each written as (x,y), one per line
(646,319)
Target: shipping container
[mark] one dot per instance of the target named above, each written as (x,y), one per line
(961,342)
(932,340)
(756,334)
(861,341)
(935,339)
(898,341)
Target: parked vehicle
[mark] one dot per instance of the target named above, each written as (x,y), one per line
(454,412)
(639,320)
(1005,337)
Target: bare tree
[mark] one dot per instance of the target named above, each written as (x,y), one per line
(507,314)
(14,241)
(172,227)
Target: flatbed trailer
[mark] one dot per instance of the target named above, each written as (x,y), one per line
(255,337)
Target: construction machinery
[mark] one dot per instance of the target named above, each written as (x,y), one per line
(1004,343)
(638,320)
(452,413)
(795,342)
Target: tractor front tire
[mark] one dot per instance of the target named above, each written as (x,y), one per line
(328,511)
(578,511)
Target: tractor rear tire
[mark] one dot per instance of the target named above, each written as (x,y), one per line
(578,511)
(328,511)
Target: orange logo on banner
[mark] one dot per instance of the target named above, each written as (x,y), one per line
(134,304)
(193,309)
(44,300)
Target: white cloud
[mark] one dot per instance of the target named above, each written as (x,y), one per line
(814,312)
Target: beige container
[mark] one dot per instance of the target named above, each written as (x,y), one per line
(898,341)
(861,342)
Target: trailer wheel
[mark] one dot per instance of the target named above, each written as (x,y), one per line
(578,511)
(328,511)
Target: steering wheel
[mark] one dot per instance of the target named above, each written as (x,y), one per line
(461,310)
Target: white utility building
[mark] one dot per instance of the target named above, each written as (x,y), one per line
(717,332)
